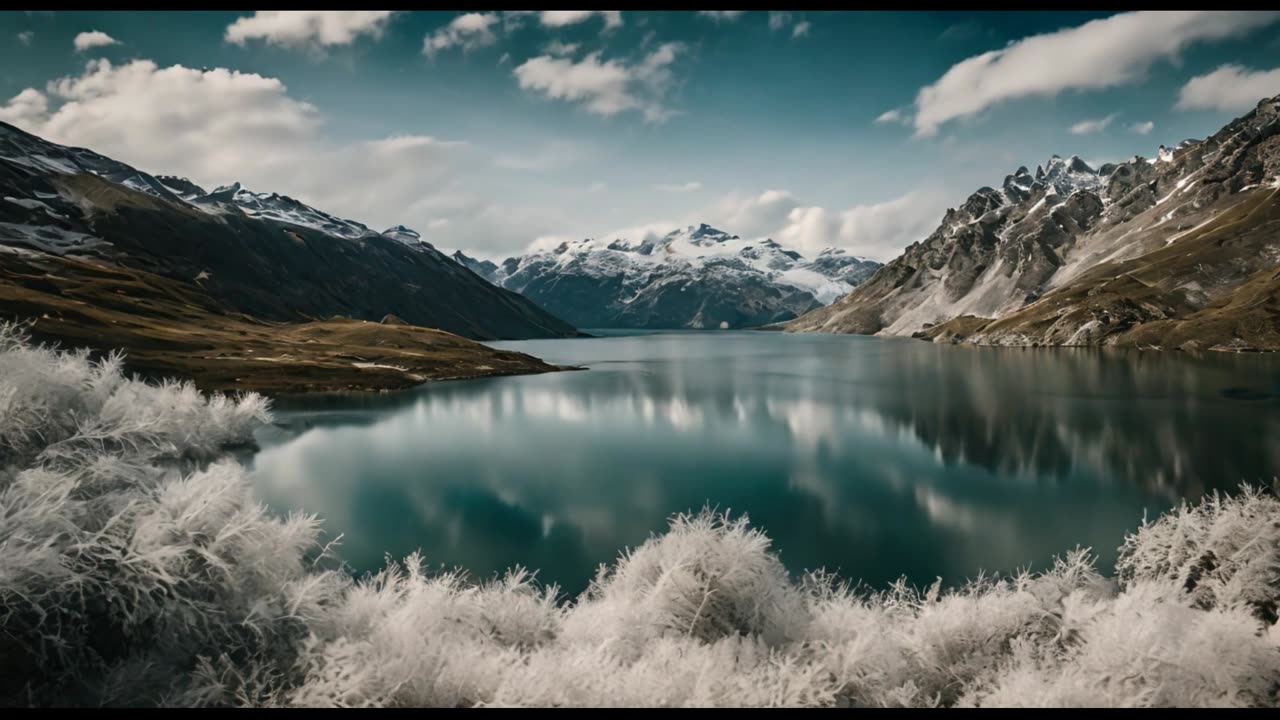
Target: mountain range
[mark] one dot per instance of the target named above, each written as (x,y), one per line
(694,277)
(1180,252)
(267,255)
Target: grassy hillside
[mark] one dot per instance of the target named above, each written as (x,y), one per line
(171,329)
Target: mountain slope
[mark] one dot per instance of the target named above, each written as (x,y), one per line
(263,254)
(1182,252)
(171,329)
(698,277)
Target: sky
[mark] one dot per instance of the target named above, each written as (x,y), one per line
(496,132)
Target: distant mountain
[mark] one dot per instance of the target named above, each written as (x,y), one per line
(1181,252)
(484,268)
(697,277)
(263,254)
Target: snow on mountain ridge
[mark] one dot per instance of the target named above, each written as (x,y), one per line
(695,276)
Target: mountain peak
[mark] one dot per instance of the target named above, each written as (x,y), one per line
(401,230)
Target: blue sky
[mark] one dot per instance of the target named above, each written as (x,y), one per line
(492,131)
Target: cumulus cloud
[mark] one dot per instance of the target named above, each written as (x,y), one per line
(221,126)
(560,18)
(93,39)
(691,186)
(722,15)
(1142,128)
(1104,53)
(879,231)
(25,37)
(1087,127)
(779,19)
(1230,88)
(469,32)
(28,105)
(759,215)
(300,28)
(801,29)
(605,87)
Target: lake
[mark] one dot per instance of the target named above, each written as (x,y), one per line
(873,458)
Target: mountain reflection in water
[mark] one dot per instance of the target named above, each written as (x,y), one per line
(874,458)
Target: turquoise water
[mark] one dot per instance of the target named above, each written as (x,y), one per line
(874,458)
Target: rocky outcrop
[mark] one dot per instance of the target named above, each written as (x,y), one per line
(1180,252)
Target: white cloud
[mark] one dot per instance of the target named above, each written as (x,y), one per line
(300,28)
(691,186)
(896,116)
(1230,88)
(214,122)
(597,186)
(469,31)
(754,215)
(1142,128)
(560,18)
(779,19)
(605,87)
(1099,54)
(561,49)
(722,15)
(1086,127)
(221,126)
(879,231)
(801,29)
(25,37)
(93,39)
(24,107)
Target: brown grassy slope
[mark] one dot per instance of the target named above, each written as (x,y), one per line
(1152,300)
(170,329)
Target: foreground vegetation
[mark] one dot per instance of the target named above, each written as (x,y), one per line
(136,568)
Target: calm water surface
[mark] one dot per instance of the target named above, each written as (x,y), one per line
(871,457)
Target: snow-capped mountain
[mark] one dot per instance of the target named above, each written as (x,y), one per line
(281,209)
(1177,252)
(264,254)
(695,277)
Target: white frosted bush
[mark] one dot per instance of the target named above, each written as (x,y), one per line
(136,568)
(1224,552)
(708,577)
(120,546)
(1145,648)
(405,638)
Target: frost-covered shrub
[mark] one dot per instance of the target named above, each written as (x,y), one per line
(136,568)
(1224,552)
(1144,648)
(708,577)
(907,648)
(121,546)
(404,638)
